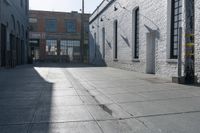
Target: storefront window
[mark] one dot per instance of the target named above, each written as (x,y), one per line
(51,47)
(66,44)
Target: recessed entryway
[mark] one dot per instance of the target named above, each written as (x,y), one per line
(150,53)
(3,45)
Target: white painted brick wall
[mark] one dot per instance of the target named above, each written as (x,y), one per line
(154,10)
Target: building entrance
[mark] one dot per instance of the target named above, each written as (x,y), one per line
(35,50)
(150,66)
(3,45)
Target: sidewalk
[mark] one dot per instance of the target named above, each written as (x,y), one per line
(53,98)
(159,105)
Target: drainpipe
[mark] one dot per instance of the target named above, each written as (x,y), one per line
(180,54)
(82,33)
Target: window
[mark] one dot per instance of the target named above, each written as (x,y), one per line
(115,39)
(70,26)
(33,20)
(103,42)
(95,45)
(66,44)
(33,24)
(13,22)
(175,25)
(21,3)
(136,33)
(51,25)
(51,47)
(86,27)
(26,7)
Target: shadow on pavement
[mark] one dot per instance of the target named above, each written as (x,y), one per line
(64,65)
(21,98)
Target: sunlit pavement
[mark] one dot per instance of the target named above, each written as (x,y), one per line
(53,98)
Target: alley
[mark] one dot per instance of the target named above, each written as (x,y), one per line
(74,98)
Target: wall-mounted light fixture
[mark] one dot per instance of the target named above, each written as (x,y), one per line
(104,17)
(93,27)
(116,8)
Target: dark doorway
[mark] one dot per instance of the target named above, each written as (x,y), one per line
(3,45)
(150,49)
(22,52)
(35,49)
(103,42)
(12,53)
(18,51)
(115,39)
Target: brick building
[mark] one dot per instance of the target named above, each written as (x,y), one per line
(144,36)
(13,32)
(55,36)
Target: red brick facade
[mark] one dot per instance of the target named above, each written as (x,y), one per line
(39,31)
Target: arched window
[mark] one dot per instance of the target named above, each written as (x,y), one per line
(22,31)
(18,28)
(175,25)
(22,3)
(115,39)
(13,22)
(95,45)
(136,20)
(103,42)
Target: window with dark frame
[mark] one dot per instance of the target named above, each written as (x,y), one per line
(51,47)
(66,44)
(86,27)
(136,46)
(175,25)
(26,6)
(70,26)
(21,3)
(33,24)
(115,39)
(51,25)
(103,42)
(95,45)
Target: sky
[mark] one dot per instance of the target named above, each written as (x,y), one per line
(63,5)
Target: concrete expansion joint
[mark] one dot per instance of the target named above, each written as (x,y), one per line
(155,100)
(142,122)
(104,107)
(107,109)
(81,121)
(167,114)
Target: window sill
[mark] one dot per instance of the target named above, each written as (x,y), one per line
(135,60)
(115,60)
(172,60)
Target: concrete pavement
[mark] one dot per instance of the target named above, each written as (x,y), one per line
(53,98)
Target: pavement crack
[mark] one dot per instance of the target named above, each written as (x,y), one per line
(142,122)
